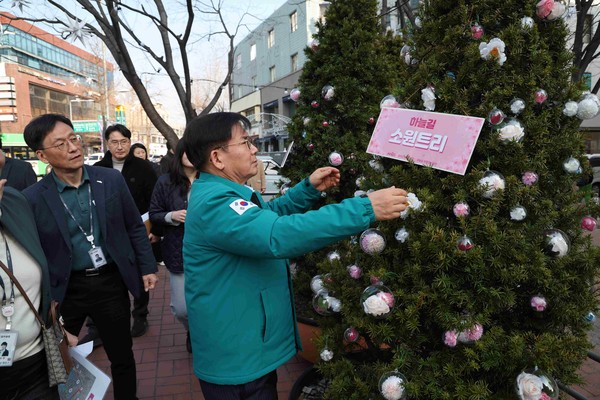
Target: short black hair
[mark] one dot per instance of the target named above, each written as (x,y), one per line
(207,132)
(3,344)
(38,128)
(118,128)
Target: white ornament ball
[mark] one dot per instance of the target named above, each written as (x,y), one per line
(518,213)
(527,22)
(571,108)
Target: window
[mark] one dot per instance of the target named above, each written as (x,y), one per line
(238,61)
(271,38)
(294,21)
(253,82)
(272,74)
(252,51)
(294,62)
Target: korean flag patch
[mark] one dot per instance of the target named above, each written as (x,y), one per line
(240,206)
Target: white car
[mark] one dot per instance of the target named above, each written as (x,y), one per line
(274,180)
(93,158)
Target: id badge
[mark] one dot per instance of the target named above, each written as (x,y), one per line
(97,257)
(8,344)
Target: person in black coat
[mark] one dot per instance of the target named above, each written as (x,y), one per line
(140,178)
(18,173)
(168,208)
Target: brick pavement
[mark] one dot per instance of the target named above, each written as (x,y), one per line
(164,367)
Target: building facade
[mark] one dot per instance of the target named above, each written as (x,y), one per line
(41,73)
(268,63)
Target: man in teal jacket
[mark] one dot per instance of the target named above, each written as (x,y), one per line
(235,249)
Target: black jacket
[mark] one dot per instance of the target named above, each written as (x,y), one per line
(18,173)
(139,176)
(166,198)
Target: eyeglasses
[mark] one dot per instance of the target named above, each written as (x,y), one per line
(64,145)
(117,143)
(248,142)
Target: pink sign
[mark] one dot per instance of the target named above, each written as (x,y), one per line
(442,141)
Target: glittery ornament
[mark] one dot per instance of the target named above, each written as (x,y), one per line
(496,116)
(336,159)
(529,178)
(324,304)
(333,256)
(538,303)
(477,31)
(377,301)
(351,334)
(534,383)
(517,106)
(376,165)
(389,101)
(518,213)
(295,94)
(325,124)
(589,223)
(540,96)
(310,146)
(401,235)
(354,271)
(326,355)
(328,92)
(461,209)
(465,243)
(371,121)
(527,22)
(392,386)
(492,182)
(372,241)
(314,104)
(572,165)
(556,243)
(551,10)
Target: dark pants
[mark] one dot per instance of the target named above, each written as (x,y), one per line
(105,299)
(140,305)
(27,379)
(263,388)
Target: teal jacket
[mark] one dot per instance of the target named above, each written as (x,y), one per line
(237,282)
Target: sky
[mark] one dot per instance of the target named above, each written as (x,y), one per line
(207,57)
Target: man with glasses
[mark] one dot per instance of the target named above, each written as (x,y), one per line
(94,240)
(140,178)
(235,249)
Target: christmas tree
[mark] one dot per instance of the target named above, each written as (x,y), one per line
(481,290)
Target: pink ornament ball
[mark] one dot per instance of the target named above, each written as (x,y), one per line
(476,31)
(529,178)
(336,159)
(354,271)
(450,338)
(371,121)
(475,332)
(314,104)
(387,297)
(589,223)
(538,303)
(496,116)
(465,243)
(351,334)
(325,124)
(461,209)
(295,94)
(540,96)
(310,146)
(375,280)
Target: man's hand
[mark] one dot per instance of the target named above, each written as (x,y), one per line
(325,178)
(179,216)
(149,281)
(388,203)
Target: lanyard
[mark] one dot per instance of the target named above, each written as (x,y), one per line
(10,267)
(90,236)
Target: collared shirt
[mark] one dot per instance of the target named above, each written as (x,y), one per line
(78,202)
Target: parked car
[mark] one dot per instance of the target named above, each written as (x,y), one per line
(93,158)
(274,180)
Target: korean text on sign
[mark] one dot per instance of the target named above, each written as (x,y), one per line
(419,139)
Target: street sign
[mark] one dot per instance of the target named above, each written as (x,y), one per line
(86,126)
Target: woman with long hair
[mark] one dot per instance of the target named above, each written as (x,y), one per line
(168,208)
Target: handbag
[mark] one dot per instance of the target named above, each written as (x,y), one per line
(54,336)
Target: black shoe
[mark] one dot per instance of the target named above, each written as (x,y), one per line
(188,342)
(91,335)
(140,327)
